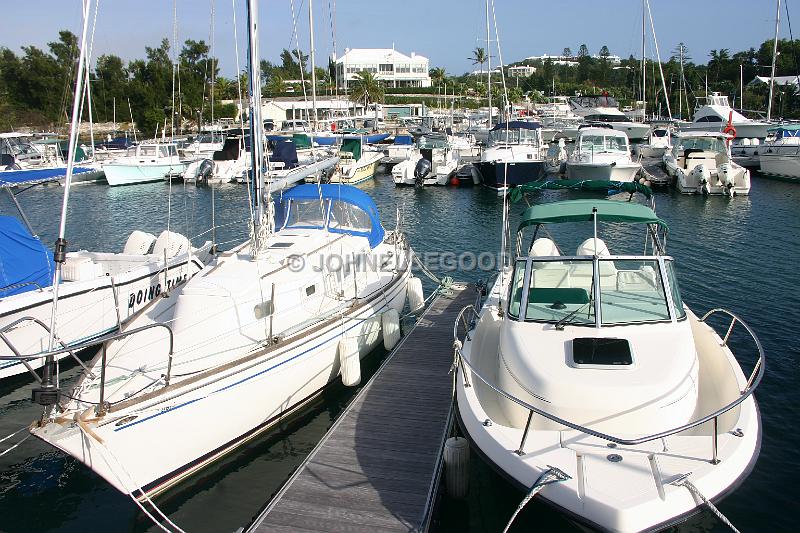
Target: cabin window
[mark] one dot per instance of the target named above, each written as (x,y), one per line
(310,290)
(710,118)
(616,143)
(306,213)
(147,151)
(631,290)
(345,216)
(677,301)
(516,290)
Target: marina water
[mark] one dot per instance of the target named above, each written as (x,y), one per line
(736,253)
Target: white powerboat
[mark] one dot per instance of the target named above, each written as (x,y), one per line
(605,109)
(701,163)
(659,141)
(99,291)
(585,379)
(204,145)
(400,150)
(146,162)
(717,114)
(229,164)
(434,163)
(780,158)
(602,154)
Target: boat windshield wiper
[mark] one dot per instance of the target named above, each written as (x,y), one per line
(568,318)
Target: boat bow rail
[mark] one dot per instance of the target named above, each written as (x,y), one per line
(102,406)
(468,319)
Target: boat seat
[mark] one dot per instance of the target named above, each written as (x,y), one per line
(543,247)
(80,268)
(139,243)
(581,272)
(640,280)
(172,243)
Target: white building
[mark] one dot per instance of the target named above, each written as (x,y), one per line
(393,68)
(521,71)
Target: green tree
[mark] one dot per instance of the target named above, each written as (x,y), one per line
(437,75)
(583,51)
(366,88)
(567,52)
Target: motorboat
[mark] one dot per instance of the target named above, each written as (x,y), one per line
(99,291)
(701,163)
(356,164)
(433,163)
(204,145)
(229,164)
(658,142)
(602,154)
(145,162)
(515,154)
(586,380)
(716,114)
(604,108)
(400,150)
(780,158)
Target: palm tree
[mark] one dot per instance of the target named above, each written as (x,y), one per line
(438,76)
(366,88)
(479,57)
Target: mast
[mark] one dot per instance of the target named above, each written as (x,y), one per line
(774,57)
(644,67)
(680,85)
(488,65)
(256,125)
(47,393)
(313,74)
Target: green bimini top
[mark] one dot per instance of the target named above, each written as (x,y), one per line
(581,211)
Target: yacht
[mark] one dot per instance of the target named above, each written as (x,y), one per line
(701,163)
(780,158)
(400,150)
(229,164)
(433,163)
(515,154)
(204,145)
(259,333)
(149,161)
(602,154)
(604,108)
(717,114)
(586,378)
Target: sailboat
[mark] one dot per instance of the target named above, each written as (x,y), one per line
(256,335)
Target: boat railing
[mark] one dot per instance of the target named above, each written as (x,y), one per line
(23,284)
(25,359)
(102,341)
(468,318)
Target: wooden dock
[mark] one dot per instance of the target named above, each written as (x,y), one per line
(377,468)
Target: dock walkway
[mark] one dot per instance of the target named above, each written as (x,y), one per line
(378,467)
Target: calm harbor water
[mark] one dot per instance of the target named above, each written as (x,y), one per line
(739,254)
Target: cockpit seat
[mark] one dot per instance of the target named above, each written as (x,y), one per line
(581,275)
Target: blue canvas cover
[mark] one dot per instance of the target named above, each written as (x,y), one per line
(334,193)
(11,178)
(517,125)
(403,140)
(286,152)
(23,259)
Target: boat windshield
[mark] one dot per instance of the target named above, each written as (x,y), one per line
(603,143)
(706,144)
(562,291)
(513,136)
(427,142)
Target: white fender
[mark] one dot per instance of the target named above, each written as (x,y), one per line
(456,466)
(349,361)
(416,298)
(390,322)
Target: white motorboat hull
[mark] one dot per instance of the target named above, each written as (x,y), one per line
(88,309)
(781,162)
(602,171)
(356,172)
(743,130)
(689,182)
(614,487)
(129,174)
(634,130)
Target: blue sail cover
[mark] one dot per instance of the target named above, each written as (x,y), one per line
(349,210)
(11,178)
(24,261)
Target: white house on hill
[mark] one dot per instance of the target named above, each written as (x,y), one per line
(393,68)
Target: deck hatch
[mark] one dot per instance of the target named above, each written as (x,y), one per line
(601,352)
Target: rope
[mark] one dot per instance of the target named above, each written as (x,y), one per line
(425,270)
(699,496)
(551,475)
(26,437)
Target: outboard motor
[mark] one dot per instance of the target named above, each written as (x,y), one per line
(701,175)
(422,170)
(726,179)
(204,172)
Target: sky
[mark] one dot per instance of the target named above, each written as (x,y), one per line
(445,31)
